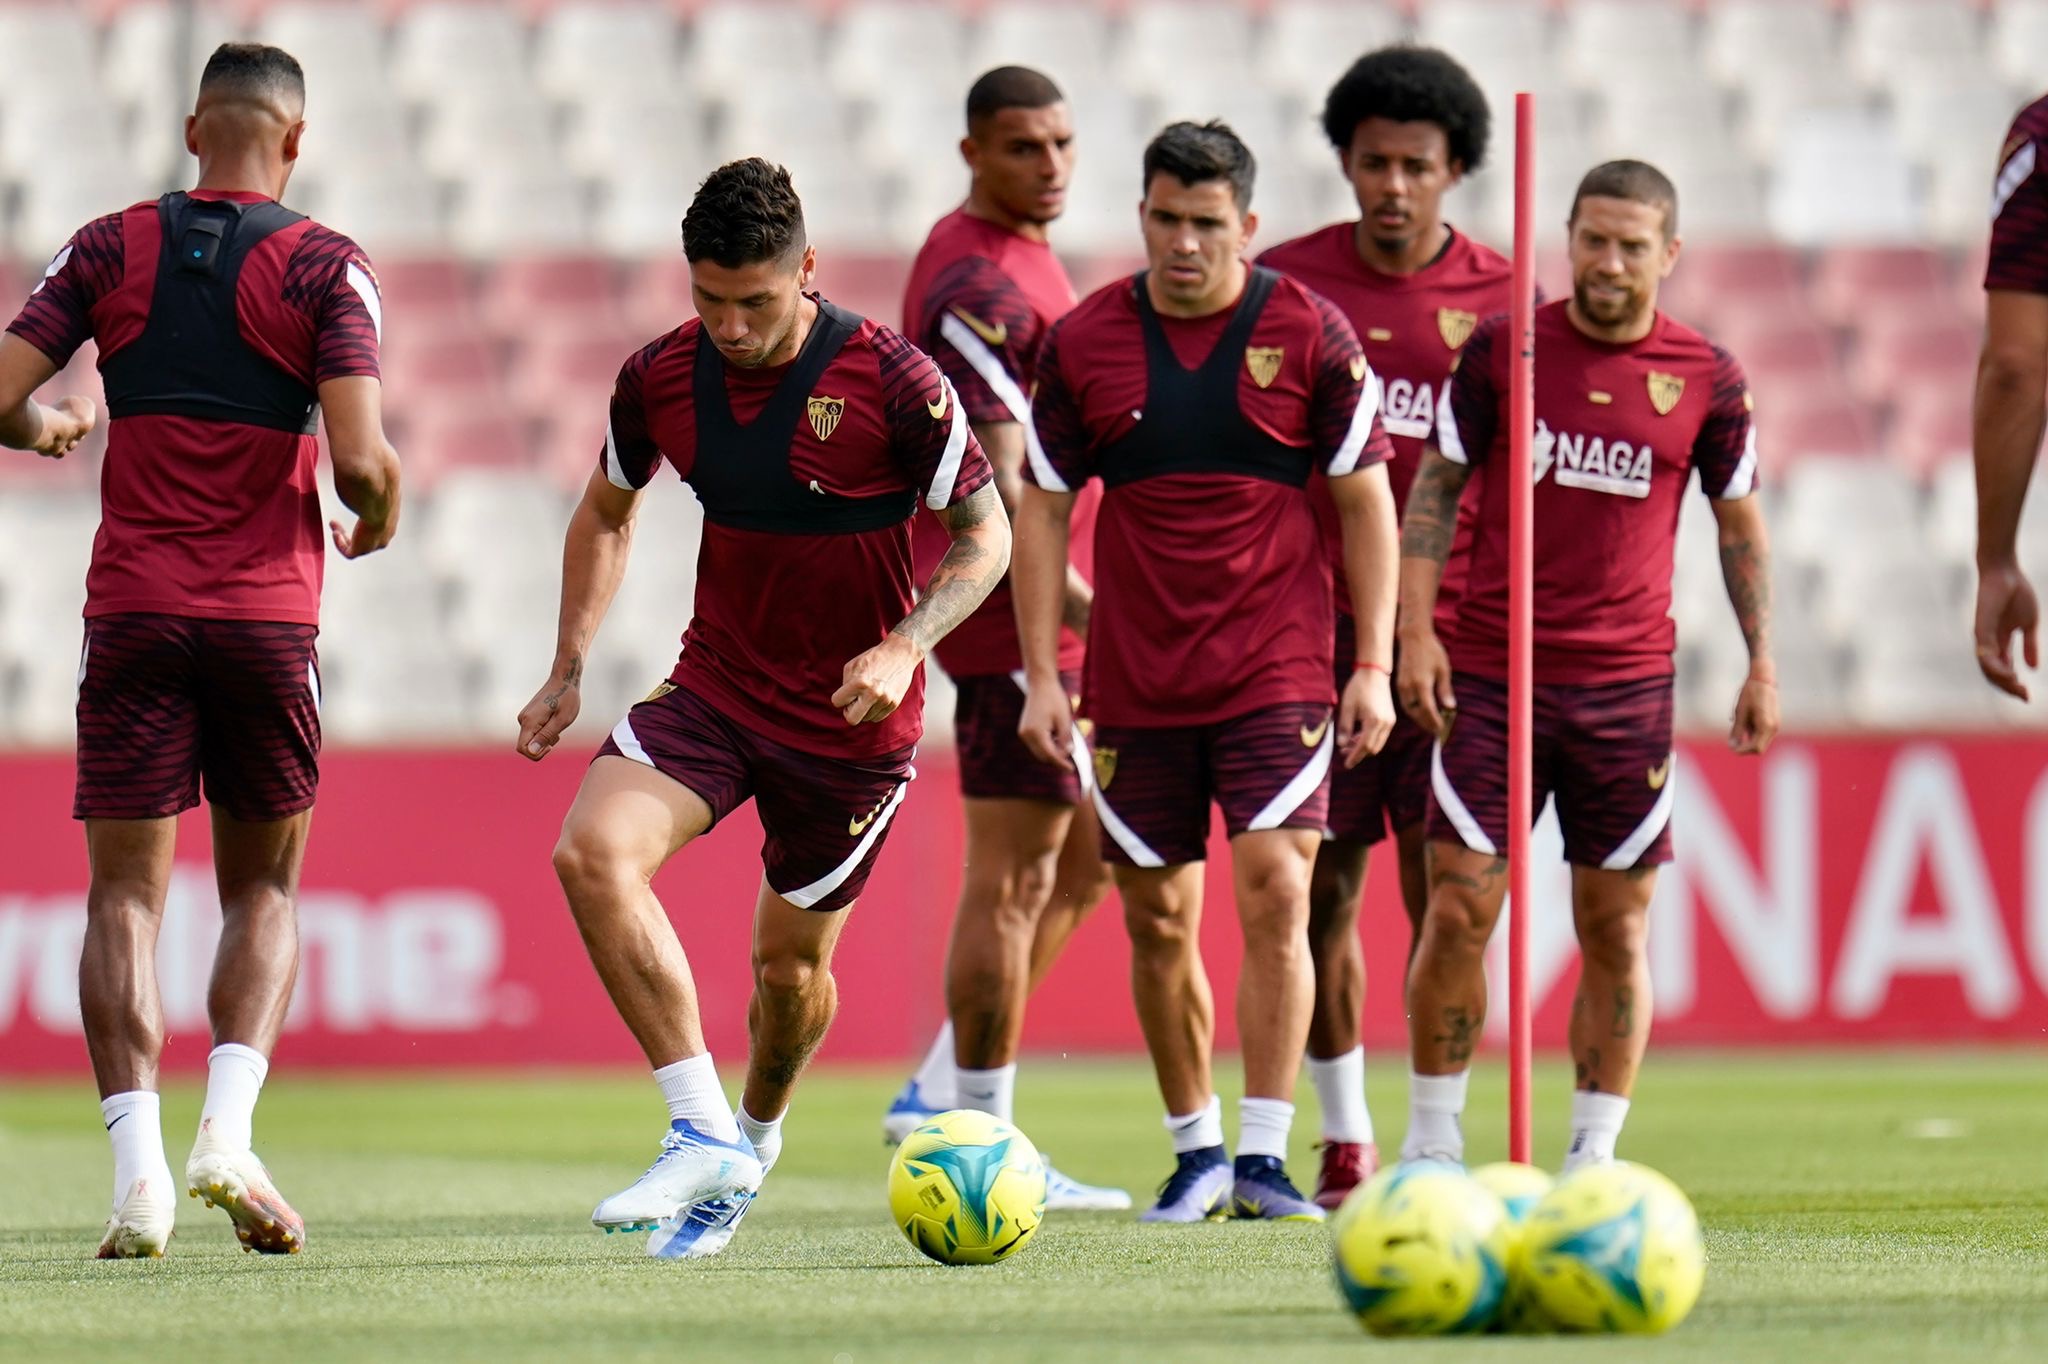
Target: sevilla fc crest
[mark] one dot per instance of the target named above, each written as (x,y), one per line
(1455,326)
(1264,363)
(1665,391)
(825,414)
(1105,767)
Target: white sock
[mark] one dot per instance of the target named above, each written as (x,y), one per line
(1262,1127)
(991,1091)
(765,1136)
(135,1125)
(1340,1086)
(935,1076)
(1596,1126)
(1199,1130)
(691,1088)
(1434,1105)
(234,1077)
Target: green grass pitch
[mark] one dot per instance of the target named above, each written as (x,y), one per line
(1859,1206)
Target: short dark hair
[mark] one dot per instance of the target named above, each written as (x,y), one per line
(1637,181)
(254,69)
(1195,153)
(1009,87)
(744,212)
(1411,85)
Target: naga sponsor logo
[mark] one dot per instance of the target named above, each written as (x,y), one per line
(428,960)
(1593,463)
(1407,408)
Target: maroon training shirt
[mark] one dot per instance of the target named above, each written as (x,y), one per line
(1213,594)
(781,612)
(201,516)
(980,301)
(2019,206)
(1619,428)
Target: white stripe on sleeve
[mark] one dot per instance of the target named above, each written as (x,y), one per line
(1448,442)
(976,352)
(614,470)
(1742,482)
(940,495)
(366,289)
(1346,459)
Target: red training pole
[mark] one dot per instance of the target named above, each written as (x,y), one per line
(1521,622)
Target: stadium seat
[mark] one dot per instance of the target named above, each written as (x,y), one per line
(439,47)
(657,293)
(1306,44)
(1821,496)
(1742,280)
(32,123)
(519,210)
(51,208)
(570,378)
(494,522)
(1903,353)
(1773,108)
(1849,280)
(567,294)
(1903,679)
(442,435)
(1604,39)
(2018,37)
(584,47)
(1931,428)
(1795,424)
(1890,39)
(1171,48)
(61,37)
(456,367)
(1751,43)
(1066,41)
(1951,524)
(430,294)
(394,212)
(1842,177)
(880,48)
(1956,116)
(335,41)
(492,130)
(735,46)
(870,285)
(663,126)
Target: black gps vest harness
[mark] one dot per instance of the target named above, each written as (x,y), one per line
(1192,423)
(741,474)
(191,359)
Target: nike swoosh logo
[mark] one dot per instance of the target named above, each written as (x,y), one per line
(856,827)
(938,409)
(1658,775)
(995,335)
(110,1126)
(1311,737)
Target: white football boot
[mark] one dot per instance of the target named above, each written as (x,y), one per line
(698,1230)
(1063,1193)
(237,1183)
(693,1167)
(141,1226)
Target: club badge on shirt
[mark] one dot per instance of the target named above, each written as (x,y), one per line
(1105,767)
(1455,326)
(1665,391)
(1264,363)
(825,414)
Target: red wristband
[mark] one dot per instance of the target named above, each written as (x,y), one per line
(1364,667)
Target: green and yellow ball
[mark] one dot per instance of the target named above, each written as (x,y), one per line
(1421,1249)
(967,1188)
(1521,1188)
(1614,1247)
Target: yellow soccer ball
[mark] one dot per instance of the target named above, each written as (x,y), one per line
(1614,1247)
(967,1188)
(1421,1250)
(1521,1188)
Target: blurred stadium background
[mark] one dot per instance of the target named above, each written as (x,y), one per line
(518,171)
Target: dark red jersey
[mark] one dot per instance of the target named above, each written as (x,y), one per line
(1619,430)
(980,301)
(1213,592)
(1412,327)
(209,500)
(2019,206)
(809,473)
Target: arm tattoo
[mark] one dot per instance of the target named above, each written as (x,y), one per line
(1431,519)
(1460,1034)
(1746,569)
(964,578)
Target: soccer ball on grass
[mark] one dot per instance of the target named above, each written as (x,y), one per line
(1614,1247)
(1421,1249)
(967,1188)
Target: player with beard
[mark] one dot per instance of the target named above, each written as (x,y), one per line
(982,294)
(1629,404)
(1408,125)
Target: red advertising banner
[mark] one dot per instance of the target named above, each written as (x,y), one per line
(1839,890)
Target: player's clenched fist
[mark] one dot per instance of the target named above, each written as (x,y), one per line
(65,424)
(1365,716)
(1047,722)
(877,681)
(552,710)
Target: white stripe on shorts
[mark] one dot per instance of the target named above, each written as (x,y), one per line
(1632,848)
(1134,847)
(1300,788)
(1469,832)
(1079,755)
(835,878)
(629,742)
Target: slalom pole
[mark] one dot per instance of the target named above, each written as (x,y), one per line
(1521,619)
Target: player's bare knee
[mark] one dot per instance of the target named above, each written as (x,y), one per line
(1083,890)
(592,868)
(789,975)
(1456,924)
(1613,939)
(1158,925)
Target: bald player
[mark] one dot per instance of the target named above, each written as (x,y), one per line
(226,326)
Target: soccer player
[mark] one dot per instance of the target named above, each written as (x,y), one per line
(226,325)
(1408,124)
(1203,393)
(809,435)
(1629,403)
(2012,397)
(981,295)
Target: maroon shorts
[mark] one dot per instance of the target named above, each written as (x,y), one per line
(166,700)
(823,819)
(1603,750)
(1269,769)
(1389,791)
(994,763)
